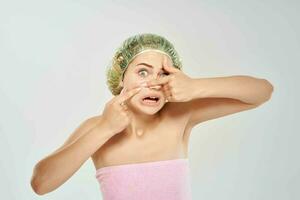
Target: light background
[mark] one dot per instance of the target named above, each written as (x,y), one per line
(53,57)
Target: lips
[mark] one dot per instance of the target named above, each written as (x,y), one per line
(151,96)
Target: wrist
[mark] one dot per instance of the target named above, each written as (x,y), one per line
(199,88)
(103,127)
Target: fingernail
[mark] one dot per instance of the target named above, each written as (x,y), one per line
(155,86)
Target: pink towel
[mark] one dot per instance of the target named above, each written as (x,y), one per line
(159,180)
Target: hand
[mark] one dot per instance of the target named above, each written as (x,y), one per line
(177,86)
(118,116)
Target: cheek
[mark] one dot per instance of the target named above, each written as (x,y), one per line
(131,83)
(137,83)
(131,86)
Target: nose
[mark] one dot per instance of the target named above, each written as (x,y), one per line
(144,84)
(149,78)
(156,86)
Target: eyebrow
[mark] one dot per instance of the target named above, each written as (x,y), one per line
(147,65)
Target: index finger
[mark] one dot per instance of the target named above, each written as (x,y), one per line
(127,94)
(160,81)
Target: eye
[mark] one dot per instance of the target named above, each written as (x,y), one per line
(142,70)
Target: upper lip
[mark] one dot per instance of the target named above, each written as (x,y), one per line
(151,94)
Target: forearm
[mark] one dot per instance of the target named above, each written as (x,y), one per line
(244,88)
(54,170)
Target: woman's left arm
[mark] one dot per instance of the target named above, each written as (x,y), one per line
(247,89)
(220,96)
(210,98)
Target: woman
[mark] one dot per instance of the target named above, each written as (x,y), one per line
(139,144)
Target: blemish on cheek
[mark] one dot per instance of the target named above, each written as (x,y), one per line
(143,83)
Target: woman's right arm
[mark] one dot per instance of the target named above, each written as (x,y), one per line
(57,168)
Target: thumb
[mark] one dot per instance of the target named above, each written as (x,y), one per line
(123,90)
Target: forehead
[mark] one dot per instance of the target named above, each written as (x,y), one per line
(151,57)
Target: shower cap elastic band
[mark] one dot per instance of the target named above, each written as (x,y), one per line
(143,51)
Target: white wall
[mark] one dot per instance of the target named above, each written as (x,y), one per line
(53,59)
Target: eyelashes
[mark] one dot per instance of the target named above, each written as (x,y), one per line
(144,69)
(140,70)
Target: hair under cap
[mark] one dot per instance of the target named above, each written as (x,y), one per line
(132,47)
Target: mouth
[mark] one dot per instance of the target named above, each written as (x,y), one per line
(151,100)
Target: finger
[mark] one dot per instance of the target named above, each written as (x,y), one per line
(125,107)
(170,69)
(130,117)
(123,90)
(126,95)
(169,98)
(166,87)
(155,87)
(167,67)
(166,92)
(160,81)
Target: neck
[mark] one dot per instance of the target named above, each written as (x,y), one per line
(140,123)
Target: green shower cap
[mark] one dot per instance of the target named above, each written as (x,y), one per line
(132,47)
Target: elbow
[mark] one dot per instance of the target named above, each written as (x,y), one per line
(36,187)
(37,181)
(269,89)
(266,91)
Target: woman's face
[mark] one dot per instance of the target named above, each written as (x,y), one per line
(145,67)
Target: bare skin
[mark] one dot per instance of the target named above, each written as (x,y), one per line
(56,168)
(161,128)
(138,133)
(163,141)
(166,128)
